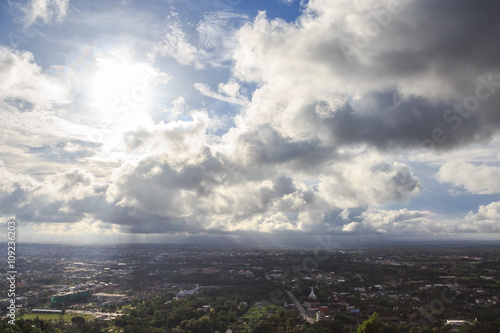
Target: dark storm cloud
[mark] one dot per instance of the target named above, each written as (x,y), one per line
(385,121)
(268,148)
(453,41)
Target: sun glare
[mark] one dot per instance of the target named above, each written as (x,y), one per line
(120,88)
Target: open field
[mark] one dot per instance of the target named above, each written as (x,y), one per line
(55,317)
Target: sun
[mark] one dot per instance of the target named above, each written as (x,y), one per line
(120,95)
(112,84)
(120,88)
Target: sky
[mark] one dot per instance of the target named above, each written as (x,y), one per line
(268,122)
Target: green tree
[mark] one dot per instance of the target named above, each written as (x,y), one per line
(78,321)
(371,325)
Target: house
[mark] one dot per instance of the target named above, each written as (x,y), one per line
(457,322)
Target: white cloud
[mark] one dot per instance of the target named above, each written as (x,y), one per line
(86,227)
(75,184)
(12,181)
(366,181)
(477,179)
(486,220)
(228,92)
(39,141)
(353,227)
(23,79)
(174,44)
(215,31)
(45,10)
(214,45)
(56,197)
(401,222)
(344,215)
(405,222)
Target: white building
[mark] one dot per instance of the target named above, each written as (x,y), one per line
(312,295)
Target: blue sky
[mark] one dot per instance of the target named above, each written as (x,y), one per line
(157,121)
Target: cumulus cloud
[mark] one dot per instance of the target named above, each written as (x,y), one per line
(396,222)
(486,220)
(263,179)
(23,79)
(69,197)
(364,182)
(406,222)
(477,179)
(73,185)
(399,88)
(45,200)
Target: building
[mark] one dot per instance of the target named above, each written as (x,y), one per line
(457,322)
(70,297)
(183,293)
(312,295)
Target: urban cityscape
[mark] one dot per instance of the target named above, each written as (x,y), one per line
(188,288)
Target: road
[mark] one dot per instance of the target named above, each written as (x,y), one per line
(300,308)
